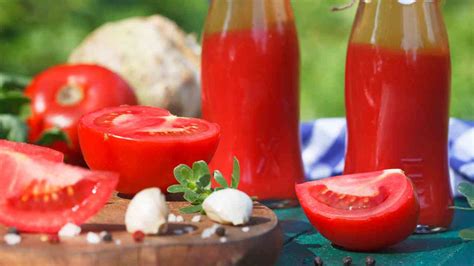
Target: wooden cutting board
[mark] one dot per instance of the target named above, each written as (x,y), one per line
(261,245)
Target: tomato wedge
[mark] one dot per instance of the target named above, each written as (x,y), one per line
(144,144)
(33,150)
(41,195)
(362,212)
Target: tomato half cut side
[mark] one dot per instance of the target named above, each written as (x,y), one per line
(144,144)
(33,150)
(362,212)
(38,195)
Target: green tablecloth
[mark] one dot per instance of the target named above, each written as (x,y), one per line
(303,243)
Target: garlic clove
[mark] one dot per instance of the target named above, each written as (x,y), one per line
(147,212)
(228,206)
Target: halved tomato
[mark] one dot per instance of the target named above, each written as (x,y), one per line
(144,144)
(41,195)
(33,150)
(362,212)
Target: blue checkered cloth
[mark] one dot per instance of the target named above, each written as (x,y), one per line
(324,142)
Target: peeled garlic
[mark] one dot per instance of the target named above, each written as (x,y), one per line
(228,206)
(147,212)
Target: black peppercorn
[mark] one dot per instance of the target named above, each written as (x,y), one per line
(220,231)
(13,230)
(318,261)
(369,261)
(107,237)
(347,261)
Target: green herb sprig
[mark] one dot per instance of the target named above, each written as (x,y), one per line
(195,183)
(467,190)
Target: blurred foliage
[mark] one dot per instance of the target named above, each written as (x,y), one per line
(35,34)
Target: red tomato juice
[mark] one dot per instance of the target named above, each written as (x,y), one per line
(397,110)
(250,82)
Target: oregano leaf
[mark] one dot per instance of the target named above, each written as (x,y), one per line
(191,196)
(220,179)
(191,209)
(176,189)
(235,174)
(183,173)
(200,169)
(467,234)
(204,181)
(467,190)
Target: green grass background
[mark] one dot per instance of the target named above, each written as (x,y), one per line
(36,34)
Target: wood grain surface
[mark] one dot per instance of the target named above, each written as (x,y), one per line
(261,245)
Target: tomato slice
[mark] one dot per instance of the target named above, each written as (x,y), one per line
(33,150)
(144,144)
(41,195)
(362,212)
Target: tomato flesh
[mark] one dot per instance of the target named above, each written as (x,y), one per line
(62,94)
(144,144)
(361,212)
(40,195)
(33,150)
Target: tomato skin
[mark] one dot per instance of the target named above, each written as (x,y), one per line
(145,162)
(363,230)
(39,194)
(95,87)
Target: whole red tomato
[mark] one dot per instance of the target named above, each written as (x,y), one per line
(62,94)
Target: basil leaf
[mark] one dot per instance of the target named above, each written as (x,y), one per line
(467,190)
(13,102)
(191,209)
(467,234)
(51,136)
(12,128)
(235,174)
(182,173)
(176,189)
(220,179)
(200,169)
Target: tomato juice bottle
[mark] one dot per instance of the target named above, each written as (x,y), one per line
(250,87)
(397,99)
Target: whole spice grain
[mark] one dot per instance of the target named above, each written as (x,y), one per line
(53,239)
(107,237)
(369,261)
(318,261)
(138,236)
(220,231)
(12,230)
(347,261)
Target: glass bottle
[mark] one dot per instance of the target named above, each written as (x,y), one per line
(397,93)
(250,87)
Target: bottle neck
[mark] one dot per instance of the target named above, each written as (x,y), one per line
(400,24)
(227,15)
